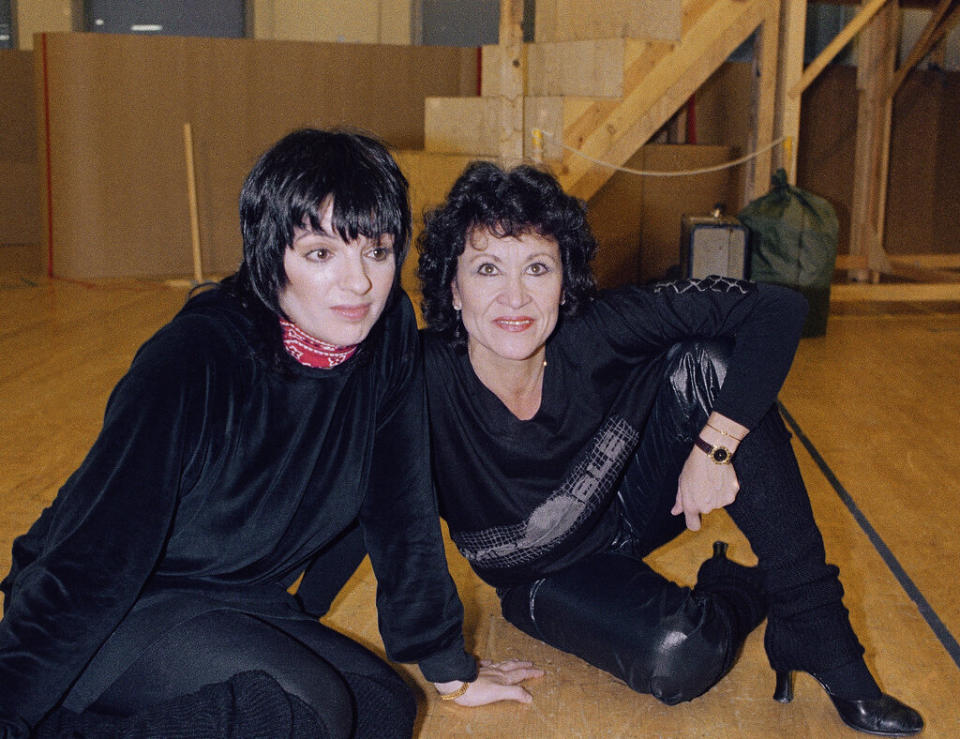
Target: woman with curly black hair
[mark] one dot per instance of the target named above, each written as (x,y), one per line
(576,431)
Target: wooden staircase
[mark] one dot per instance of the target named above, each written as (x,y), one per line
(603,78)
(604,97)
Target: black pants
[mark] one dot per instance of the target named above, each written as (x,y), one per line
(349,690)
(612,609)
(344,689)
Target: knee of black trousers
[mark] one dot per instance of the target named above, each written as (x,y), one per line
(687,653)
(695,371)
(693,651)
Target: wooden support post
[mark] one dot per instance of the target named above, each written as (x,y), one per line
(876,58)
(793,22)
(764,97)
(512,79)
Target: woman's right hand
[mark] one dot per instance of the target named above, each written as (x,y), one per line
(496,681)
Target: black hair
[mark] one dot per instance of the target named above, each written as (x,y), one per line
(507,203)
(287,188)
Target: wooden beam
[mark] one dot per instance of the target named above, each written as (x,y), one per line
(793,21)
(947,26)
(860,20)
(903,291)
(924,43)
(927,262)
(851,261)
(876,56)
(922,274)
(650,102)
(511,88)
(764,95)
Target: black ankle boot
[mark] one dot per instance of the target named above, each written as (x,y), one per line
(808,627)
(883,715)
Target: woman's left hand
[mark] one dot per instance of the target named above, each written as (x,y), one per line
(704,486)
(495,682)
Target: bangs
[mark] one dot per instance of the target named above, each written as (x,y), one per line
(505,218)
(365,203)
(369,214)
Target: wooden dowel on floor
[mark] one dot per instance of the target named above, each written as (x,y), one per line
(192,199)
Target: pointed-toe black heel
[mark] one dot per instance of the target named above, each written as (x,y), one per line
(883,716)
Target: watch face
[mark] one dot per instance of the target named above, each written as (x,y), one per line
(720,455)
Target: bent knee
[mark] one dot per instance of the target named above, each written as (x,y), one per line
(684,663)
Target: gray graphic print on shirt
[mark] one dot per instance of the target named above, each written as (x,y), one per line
(586,488)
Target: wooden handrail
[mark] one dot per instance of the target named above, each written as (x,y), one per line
(854,27)
(932,33)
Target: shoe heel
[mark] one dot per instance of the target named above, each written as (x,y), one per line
(720,549)
(783,693)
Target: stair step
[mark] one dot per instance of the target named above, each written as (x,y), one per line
(565,68)
(462,125)
(580,68)
(471,125)
(578,20)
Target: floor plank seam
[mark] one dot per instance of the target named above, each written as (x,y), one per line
(938,627)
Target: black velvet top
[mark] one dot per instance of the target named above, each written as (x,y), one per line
(215,480)
(526,498)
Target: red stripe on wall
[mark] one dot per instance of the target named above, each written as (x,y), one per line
(692,119)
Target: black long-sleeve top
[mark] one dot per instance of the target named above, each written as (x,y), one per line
(215,480)
(526,498)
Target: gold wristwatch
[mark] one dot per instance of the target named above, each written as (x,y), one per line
(719,454)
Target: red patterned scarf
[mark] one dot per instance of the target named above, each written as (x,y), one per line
(310,351)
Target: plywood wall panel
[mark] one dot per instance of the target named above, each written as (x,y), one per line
(637,220)
(923,197)
(117,108)
(431,176)
(924,182)
(19,175)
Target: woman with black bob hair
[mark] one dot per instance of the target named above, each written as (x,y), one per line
(575,431)
(283,192)
(275,417)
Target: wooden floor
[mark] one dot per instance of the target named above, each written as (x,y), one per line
(876,400)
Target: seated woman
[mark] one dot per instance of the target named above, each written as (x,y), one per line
(576,432)
(270,419)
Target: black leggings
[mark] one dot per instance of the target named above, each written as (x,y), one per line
(349,689)
(612,609)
